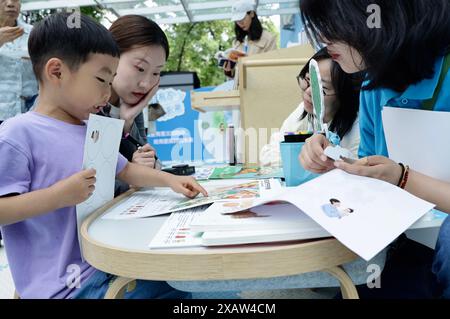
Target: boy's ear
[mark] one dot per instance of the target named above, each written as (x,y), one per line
(54,70)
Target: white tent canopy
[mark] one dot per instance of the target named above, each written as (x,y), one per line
(169,11)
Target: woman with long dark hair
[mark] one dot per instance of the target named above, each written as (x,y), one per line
(404,47)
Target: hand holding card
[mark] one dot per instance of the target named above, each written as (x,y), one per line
(339,153)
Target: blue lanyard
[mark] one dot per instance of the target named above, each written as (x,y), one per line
(245,45)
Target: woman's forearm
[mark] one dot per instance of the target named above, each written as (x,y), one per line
(429,189)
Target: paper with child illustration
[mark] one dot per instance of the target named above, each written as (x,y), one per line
(101,151)
(363,213)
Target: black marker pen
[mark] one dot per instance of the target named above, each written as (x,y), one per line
(136,143)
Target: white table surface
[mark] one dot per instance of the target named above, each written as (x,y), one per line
(136,234)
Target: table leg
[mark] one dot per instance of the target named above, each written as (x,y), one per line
(348,289)
(117,289)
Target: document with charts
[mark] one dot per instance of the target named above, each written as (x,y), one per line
(278,222)
(160,201)
(176,232)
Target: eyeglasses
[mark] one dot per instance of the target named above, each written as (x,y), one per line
(304,83)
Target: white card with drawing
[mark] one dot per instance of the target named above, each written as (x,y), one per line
(101,151)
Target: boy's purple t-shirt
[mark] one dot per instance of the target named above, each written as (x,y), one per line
(37,151)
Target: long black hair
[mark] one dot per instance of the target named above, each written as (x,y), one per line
(254,32)
(347,88)
(401,52)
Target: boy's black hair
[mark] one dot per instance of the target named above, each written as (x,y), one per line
(56,37)
(402,52)
(347,88)
(254,32)
(334,200)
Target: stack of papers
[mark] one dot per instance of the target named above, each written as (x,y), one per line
(281,223)
(364,214)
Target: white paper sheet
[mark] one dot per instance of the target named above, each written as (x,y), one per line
(176,231)
(101,151)
(267,217)
(221,238)
(381,211)
(420,139)
(145,203)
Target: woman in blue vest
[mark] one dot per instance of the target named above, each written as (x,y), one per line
(403,46)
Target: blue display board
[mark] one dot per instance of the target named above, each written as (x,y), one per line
(178,140)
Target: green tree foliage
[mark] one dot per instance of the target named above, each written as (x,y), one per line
(35,16)
(193,46)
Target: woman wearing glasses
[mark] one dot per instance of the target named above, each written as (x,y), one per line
(339,89)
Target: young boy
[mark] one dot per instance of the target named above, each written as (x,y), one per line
(41,158)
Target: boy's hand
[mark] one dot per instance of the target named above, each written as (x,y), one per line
(186,185)
(76,188)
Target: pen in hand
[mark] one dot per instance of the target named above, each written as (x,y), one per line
(136,143)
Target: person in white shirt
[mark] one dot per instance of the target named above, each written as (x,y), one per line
(18,85)
(251,38)
(341,98)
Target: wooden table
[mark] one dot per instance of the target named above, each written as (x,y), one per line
(120,247)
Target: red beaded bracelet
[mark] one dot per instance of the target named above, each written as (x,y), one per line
(402,174)
(405,177)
